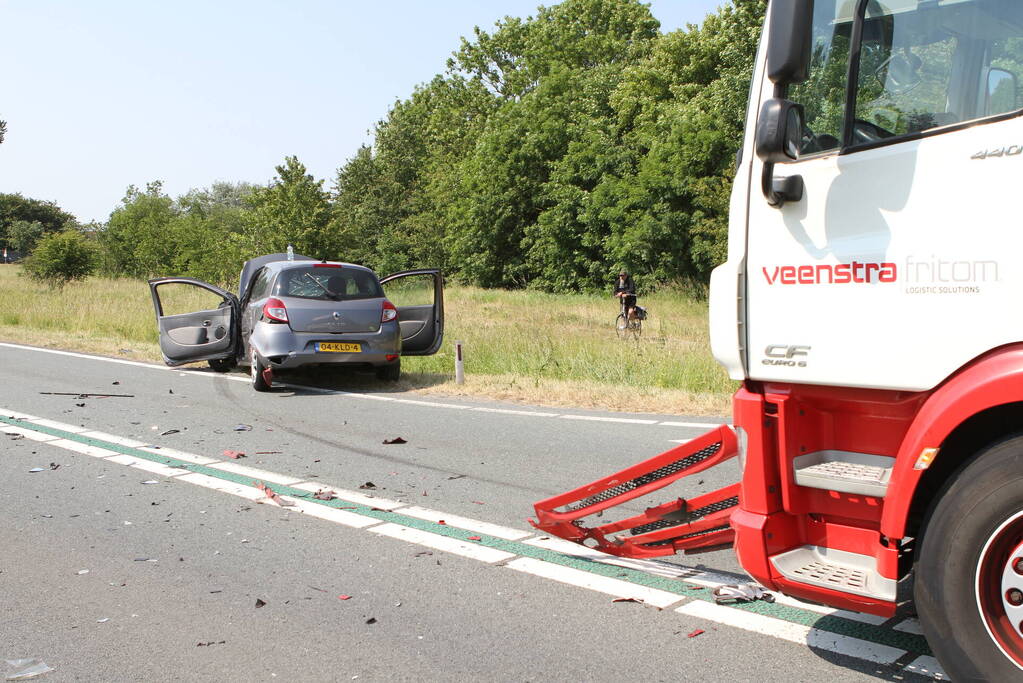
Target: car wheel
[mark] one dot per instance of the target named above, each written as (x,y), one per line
(222,364)
(262,376)
(969,574)
(390,373)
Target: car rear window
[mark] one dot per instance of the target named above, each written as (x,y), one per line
(327,283)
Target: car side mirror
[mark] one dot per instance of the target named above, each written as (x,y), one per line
(779,136)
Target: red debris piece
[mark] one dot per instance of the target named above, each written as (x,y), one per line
(696,633)
(272,495)
(344,597)
(441,521)
(424,493)
(233,454)
(324,494)
(478,502)
(396,439)
(475,538)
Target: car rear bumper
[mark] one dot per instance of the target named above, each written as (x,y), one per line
(286,349)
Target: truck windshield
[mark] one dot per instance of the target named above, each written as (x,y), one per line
(327,283)
(922,65)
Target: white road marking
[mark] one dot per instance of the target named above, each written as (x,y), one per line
(113,438)
(595,582)
(692,425)
(928,666)
(466,523)
(909,626)
(625,589)
(179,455)
(94,451)
(256,473)
(42,422)
(509,411)
(351,496)
(372,397)
(342,517)
(27,433)
(598,418)
(445,543)
(795,633)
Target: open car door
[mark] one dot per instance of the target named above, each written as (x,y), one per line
(208,334)
(419,297)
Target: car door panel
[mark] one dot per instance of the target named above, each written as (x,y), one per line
(196,335)
(421,324)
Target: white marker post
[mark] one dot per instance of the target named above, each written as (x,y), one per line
(459,364)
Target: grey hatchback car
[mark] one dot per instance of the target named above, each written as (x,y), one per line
(298,312)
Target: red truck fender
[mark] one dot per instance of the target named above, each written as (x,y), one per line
(994,379)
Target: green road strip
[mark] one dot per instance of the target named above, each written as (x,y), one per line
(913,643)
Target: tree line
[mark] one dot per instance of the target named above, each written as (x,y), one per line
(552,151)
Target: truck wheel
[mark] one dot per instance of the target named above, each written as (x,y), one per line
(261,375)
(969,574)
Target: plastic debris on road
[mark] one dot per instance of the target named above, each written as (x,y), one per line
(741,593)
(273,495)
(368,485)
(324,494)
(243,428)
(23,669)
(37,469)
(260,603)
(395,440)
(344,597)
(695,633)
(233,454)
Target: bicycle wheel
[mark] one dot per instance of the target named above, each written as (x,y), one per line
(621,326)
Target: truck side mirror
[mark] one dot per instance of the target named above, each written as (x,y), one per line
(779,135)
(788,48)
(779,131)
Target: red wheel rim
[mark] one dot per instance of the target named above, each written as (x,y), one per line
(999,576)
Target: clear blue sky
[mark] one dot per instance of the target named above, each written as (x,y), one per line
(99,95)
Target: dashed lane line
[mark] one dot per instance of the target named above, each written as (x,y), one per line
(375,397)
(657,583)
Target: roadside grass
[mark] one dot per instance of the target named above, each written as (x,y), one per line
(531,347)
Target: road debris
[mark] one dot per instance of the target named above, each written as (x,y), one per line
(210,642)
(23,669)
(628,600)
(344,597)
(457,476)
(170,431)
(741,593)
(37,469)
(54,465)
(80,572)
(14,435)
(371,620)
(273,495)
(368,485)
(695,633)
(103,620)
(324,494)
(269,453)
(233,454)
(242,428)
(260,603)
(395,440)
(150,481)
(476,538)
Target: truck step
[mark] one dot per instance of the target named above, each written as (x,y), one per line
(835,569)
(844,471)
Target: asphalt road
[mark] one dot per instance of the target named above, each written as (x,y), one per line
(107,578)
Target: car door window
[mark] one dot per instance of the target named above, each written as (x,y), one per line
(261,285)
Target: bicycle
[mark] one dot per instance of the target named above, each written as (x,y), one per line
(626,327)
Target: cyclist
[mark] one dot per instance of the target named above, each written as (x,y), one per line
(625,290)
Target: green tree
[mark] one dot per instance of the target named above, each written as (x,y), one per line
(23,235)
(136,240)
(15,208)
(60,258)
(294,209)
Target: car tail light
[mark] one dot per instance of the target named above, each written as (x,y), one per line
(274,311)
(389,313)
(391,357)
